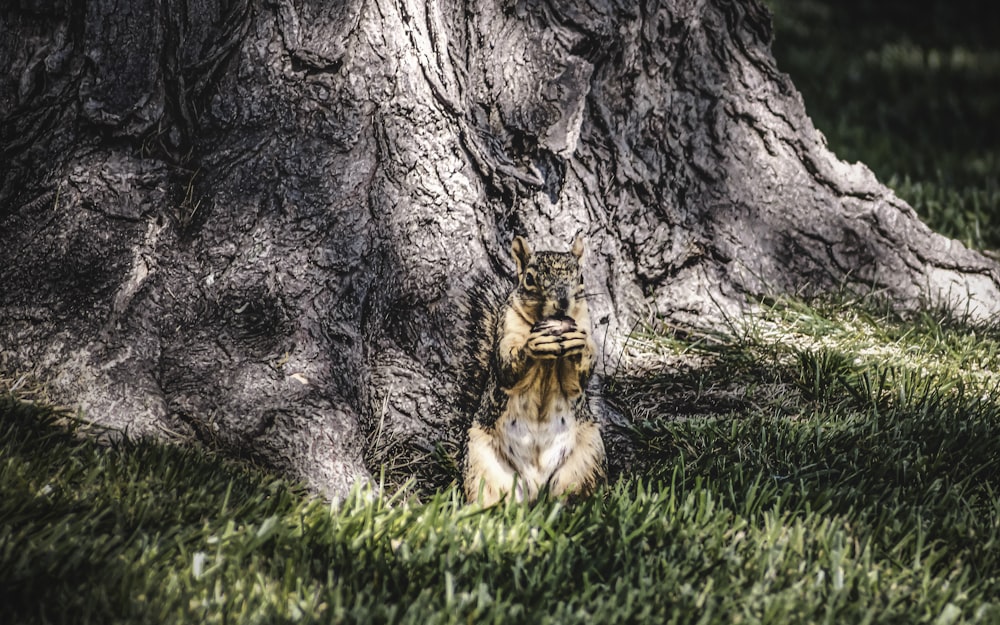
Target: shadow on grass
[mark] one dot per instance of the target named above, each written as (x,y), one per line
(884,444)
(77,516)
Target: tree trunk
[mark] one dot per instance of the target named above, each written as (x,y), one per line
(255,224)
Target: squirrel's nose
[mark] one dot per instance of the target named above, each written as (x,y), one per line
(563,304)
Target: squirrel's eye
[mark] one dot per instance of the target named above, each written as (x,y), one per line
(529,280)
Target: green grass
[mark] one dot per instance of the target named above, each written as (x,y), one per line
(853,480)
(816,462)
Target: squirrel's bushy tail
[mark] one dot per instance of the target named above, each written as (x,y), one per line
(484,306)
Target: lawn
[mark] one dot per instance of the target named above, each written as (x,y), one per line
(824,461)
(912,89)
(844,469)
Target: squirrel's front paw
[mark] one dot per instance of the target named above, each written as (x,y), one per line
(547,346)
(543,346)
(574,343)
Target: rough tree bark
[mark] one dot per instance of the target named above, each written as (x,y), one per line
(255,223)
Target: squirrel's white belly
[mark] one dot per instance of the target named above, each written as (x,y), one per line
(537,438)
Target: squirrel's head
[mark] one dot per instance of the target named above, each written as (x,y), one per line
(549,284)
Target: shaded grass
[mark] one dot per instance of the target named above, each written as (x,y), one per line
(913,91)
(88,532)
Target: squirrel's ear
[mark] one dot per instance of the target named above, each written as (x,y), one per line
(522,252)
(577,248)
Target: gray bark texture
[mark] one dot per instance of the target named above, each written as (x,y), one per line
(254,223)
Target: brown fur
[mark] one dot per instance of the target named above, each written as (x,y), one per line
(534,431)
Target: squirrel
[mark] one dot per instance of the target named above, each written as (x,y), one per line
(532,430)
